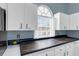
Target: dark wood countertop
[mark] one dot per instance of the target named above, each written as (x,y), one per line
(34,46)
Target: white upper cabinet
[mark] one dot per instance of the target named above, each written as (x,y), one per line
(30,16)
(62,21)
(15,16)
(21,16)
(74,21)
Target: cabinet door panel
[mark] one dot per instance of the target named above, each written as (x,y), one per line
(62,21)
(60,51)
(70,49)
(74,19)
(76,48)
(50,52)
(30,16)
(15,16)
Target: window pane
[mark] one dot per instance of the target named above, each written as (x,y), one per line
(49,15)
(44,11)
(39,13)
(43,21)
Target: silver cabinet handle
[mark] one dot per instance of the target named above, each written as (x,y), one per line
(76,27)
(26,26)
(67,53)
(65,27)
(46,54)
(64,54)
(20,26)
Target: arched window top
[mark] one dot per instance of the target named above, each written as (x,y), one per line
(44,11)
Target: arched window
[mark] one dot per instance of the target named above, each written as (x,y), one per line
(45,22)
(44,11)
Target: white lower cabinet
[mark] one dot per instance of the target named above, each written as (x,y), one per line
(50,52)
(60,51)
(76,48)
(65,50)
(69,49)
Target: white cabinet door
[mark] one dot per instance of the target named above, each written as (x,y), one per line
(76,48)
(30,16)
(73,22)
(15,16)
(60,51)
(62,21)
(77,21)
(70,49)
(57,21)
(50,52)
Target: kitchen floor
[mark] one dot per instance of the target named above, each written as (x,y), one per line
(12,50)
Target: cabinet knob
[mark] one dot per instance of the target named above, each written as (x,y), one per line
(46,54)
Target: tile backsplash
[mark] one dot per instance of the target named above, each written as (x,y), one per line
(73,33)
(60,32)
(12,35)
